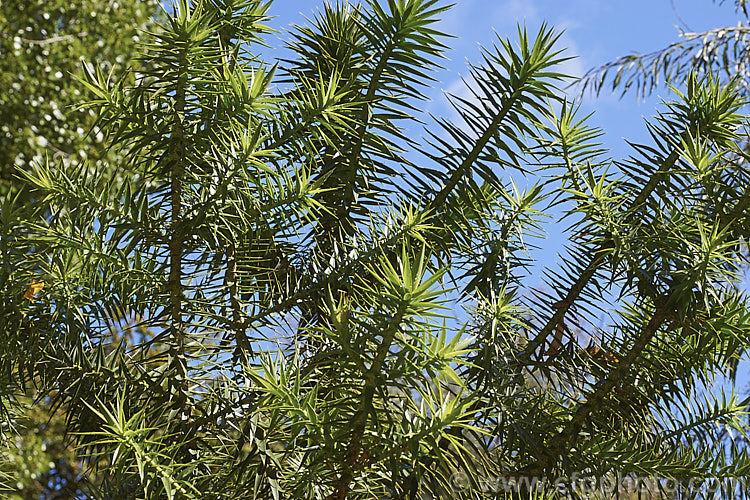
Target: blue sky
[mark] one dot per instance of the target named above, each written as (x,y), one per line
(596,31)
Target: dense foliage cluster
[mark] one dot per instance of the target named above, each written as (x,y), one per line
(42,46)
(271,288)
(41,49)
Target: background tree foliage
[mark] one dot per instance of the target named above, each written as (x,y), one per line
(255,302)
(722,52)
(42,45)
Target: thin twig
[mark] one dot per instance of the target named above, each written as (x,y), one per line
(54,39)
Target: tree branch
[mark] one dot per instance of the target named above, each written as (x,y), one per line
(596,261)
(54,39)
(557,445)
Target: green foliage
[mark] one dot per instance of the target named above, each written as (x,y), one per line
(42,45)
(265,305)
(40,462)
(722,52)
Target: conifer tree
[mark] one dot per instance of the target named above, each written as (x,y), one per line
(284,249)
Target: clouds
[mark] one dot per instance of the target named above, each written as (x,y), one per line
(518,10)
(577,65)
(477,24)
(510,13)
